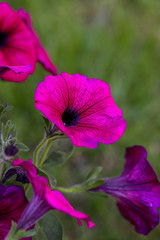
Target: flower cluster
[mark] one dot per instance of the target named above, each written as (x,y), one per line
(75,107)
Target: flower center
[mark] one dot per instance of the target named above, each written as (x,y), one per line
(70,117)
(3,38)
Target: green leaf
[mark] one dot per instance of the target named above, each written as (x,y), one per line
(6,130)
(23,234)
(49,228)
(94,173)
(22,147)
(12,231)
(46,122)
(16,235)
(58,153)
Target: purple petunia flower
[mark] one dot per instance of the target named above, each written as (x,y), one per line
(12,204)
(137,191)
(82,108)
(44,199)
(20,47)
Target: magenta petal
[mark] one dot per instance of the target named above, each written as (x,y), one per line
(137,191)
(42,55)
(82,108)
(18,73)
(57,201)
(44,199)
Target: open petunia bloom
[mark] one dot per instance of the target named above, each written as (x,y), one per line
(82,108)
(137,191)
(18,47)
(44,199)
(12,205)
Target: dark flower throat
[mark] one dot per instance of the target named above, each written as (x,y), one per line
(70,117)
(3,38)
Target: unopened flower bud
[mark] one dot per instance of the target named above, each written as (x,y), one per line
(11,150)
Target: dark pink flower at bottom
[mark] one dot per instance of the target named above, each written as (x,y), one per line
(12,204)
(44,199)
(137,191)
(82,108)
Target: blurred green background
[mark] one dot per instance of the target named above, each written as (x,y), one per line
(118,42)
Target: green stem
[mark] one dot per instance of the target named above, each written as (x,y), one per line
(44,153)
(76,188)
(65,190)
(50,140)
(47,140)
(40,145)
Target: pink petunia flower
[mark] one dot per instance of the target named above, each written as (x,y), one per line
(137,191)
(44,199)
(12,204)
(82,108)
(20,47)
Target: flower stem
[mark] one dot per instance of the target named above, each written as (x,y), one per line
(46,141)
(44,153)
(36,152)
(50,140)
(65,190)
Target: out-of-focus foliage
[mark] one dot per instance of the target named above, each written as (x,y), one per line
(118,42)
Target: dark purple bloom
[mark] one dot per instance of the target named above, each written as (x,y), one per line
(137,191)
(12,204)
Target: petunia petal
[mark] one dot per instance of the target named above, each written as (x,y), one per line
(42,55)
(57,201)
(19,73)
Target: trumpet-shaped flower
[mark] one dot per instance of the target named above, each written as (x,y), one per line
(82,108)
(44,199)
(18,47)
(137,191)
(12,204)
